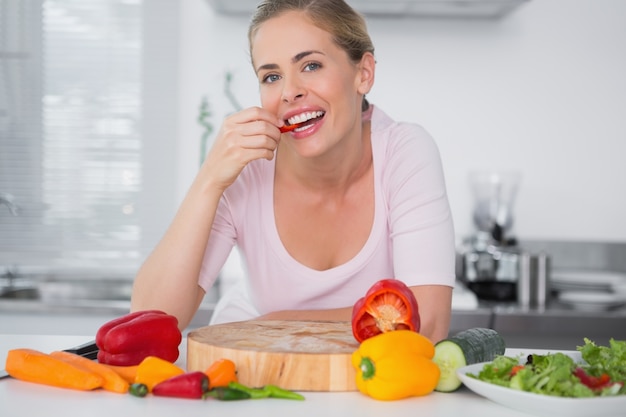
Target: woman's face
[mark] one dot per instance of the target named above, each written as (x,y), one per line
(304,75)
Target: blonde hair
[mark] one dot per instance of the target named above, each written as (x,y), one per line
(346,25)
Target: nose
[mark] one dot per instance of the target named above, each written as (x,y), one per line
(292,91)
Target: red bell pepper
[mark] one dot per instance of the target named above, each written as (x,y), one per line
(192,385)
(129,339)
(593,382)
(388,305)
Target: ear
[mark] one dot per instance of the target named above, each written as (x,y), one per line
(365,75)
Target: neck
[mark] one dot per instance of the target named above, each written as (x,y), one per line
(334,171)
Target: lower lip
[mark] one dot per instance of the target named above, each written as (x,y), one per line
(308,130)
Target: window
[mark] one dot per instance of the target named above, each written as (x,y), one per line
(87,130)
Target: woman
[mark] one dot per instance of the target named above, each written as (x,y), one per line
(319,213)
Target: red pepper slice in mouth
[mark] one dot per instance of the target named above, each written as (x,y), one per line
(289,128)
(388,305)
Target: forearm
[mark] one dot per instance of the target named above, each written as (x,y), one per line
(434,303)
(168,279)
(435,308)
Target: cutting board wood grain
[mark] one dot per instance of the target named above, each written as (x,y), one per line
(296,355)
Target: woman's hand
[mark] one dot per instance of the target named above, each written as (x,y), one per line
(244,136)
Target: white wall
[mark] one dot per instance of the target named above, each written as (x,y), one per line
(542,91)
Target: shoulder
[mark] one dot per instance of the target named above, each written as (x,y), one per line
(401,141)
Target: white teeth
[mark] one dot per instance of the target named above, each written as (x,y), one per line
(303,117)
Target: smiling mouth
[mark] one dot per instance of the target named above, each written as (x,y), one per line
(302,120)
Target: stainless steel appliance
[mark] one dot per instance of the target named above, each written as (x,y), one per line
(490,261)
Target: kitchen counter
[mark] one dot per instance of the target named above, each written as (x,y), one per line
(557,326)
(19,398)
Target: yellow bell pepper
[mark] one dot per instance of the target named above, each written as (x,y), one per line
(396,365)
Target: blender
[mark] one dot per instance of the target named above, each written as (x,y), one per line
(490,259)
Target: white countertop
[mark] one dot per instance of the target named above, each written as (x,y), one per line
(19,398)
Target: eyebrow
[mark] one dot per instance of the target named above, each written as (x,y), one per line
(298,57)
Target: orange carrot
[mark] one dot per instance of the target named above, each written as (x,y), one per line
(153,370)
(129,373)
(221,373)
(112,381)
(38,367)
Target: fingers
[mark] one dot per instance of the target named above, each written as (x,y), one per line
(253,129)
(255,120)
(244,136)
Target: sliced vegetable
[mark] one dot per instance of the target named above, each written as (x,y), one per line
(388,305)
(465,348)
(153,370)
(38,367)
(129,339)
(593,382)
(221,373)
(395,365)
(192,385)
(112,381)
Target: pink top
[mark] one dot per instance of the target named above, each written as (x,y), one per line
(412,237)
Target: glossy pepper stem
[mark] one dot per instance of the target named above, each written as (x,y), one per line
(138,389)
(368,370)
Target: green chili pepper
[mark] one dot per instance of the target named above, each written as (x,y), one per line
(267,391)
(138,390)
(278,392)
(227,394)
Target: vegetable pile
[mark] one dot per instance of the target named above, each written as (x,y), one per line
(603,372)
(393,361)
(137,355)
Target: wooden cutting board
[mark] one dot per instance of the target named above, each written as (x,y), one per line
(296,355)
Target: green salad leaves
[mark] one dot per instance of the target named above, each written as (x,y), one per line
(602,372)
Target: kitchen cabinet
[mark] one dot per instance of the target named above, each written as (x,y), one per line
(400,8)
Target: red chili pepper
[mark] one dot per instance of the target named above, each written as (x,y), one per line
(289,128)
(593,382)
(189,385)
(388,305)
(129,339)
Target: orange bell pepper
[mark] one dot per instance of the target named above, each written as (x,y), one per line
(221,373)
(153,370)
(396,365)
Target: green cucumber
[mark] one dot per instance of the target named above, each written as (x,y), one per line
(465,348)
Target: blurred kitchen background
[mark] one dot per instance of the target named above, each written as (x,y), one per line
(107,106)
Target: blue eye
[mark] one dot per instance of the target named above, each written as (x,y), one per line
(312,66)
(270,78)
